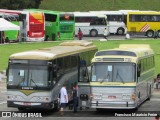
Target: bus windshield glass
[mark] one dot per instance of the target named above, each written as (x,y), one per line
(22,75)
(113,72)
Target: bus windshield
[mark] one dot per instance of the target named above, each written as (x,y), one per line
(22,75)
(113,72)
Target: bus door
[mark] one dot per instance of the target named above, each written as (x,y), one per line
(83,85)
(23,28)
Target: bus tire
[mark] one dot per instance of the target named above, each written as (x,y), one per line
(158,33)
(21,108)
(150,33)
(56,105)
(98,109)
(120,31)
(46,38)
(93,33)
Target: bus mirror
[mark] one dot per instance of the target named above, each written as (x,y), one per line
(86,79)
(84,73)
(6,71)
(138,72)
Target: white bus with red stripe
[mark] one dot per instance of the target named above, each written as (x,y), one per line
(143,22)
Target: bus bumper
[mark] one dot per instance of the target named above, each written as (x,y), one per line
(39,39)
(114,105)
(17,104)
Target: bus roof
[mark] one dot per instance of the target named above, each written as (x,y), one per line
(133,50)
(88,14)
(144,12)
(45,11)
(18,12)
(64,49)
(11,11)
(109,12)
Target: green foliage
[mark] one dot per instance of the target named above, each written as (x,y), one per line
(95,5)
(19,4)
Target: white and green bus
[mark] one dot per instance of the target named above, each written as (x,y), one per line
(121,78)
(34,78)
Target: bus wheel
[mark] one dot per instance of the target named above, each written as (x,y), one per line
(93,33)
(158,33)
(98,109)
(150,33)
(21,108)
(120,31)
(56,105)
(46,38)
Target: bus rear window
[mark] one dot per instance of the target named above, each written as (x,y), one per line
(66,17)
(11,17)
(50,17)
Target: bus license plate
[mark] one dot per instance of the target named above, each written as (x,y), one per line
(111,97)
(26,104)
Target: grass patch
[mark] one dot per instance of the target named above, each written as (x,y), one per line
(7,50)
(95,5)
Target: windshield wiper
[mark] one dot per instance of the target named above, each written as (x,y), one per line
(22,81)
(119,77)
(105,77)
(33,80)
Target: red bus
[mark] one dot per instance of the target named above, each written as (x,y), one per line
(32,25)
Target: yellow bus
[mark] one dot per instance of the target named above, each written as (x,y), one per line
(143,22)
(34,78)
(121,78)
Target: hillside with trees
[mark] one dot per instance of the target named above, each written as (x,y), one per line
(19,4)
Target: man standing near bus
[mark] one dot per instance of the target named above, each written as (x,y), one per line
(105,33)
(63,98)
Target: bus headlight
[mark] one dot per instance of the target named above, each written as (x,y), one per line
(128,59)
(40,99)
(126,97)
(97,96)
(15,97)
(133,97)
(98,59)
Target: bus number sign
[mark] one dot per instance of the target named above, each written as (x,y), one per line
(111,97)
(26,104)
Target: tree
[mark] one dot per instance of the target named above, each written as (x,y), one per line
(19,4)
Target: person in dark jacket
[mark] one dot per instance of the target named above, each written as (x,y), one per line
(75,97)
(155,34)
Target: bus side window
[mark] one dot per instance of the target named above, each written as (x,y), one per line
(59,67)
(138,70)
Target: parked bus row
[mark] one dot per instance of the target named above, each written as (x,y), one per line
(39,25)
(120,78)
